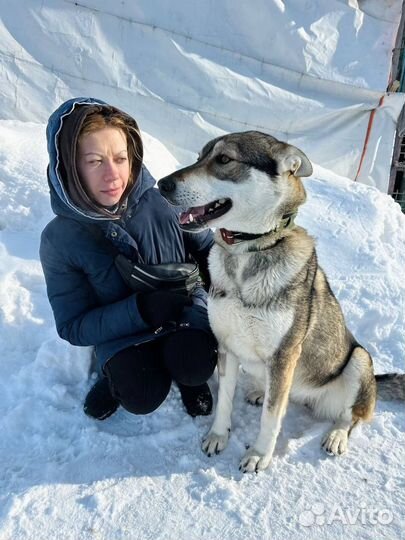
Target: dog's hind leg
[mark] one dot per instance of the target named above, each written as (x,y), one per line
(255,397)
(335,441)
(217,438)
(354,394)
(279,376)
(255,388)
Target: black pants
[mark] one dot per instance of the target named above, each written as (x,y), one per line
(140,376)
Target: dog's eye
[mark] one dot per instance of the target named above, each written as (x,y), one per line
(223,159)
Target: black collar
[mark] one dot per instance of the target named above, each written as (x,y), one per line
(234,237)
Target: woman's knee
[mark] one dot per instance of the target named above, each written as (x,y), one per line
(190,356)
(138,379)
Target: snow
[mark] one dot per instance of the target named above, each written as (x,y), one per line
(69,477)
(65,476)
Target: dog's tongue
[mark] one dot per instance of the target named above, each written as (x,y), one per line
(191,214)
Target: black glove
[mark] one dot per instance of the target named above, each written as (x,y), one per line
(158,307)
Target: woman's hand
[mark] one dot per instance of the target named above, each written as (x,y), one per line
(159,307)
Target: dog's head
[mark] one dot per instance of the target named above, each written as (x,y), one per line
(242,181)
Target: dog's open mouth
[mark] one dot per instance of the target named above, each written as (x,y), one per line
(196,216)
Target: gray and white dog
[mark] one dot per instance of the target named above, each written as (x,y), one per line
(270,304)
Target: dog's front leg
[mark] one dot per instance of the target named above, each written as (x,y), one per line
(279,375)
(217,437)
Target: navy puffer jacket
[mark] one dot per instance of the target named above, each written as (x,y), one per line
(90,301)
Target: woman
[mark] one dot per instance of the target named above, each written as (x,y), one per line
(105,203)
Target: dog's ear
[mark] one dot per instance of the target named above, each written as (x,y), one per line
(295,162)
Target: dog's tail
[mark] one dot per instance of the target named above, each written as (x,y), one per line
(390,386)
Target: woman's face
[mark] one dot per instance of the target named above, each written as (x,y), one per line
(103,165)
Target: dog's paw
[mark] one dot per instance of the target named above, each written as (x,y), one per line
(335,442)
(254,461)
(214,443)
(255,397)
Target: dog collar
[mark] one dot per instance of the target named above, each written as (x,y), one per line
(235,237)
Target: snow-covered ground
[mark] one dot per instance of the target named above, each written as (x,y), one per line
(65,476)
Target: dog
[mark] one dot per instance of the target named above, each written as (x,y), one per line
(270,305)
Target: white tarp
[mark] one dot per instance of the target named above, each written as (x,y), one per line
(309,72)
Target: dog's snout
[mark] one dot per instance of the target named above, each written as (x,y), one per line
(166,185)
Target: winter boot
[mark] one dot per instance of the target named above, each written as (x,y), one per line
(196,399)
(99,402)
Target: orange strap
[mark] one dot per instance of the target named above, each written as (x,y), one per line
(370,125)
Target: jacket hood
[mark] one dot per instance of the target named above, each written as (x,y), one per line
(68,198)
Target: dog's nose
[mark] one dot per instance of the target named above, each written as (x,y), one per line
(166,185)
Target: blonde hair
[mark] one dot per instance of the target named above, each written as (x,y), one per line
(113,118)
